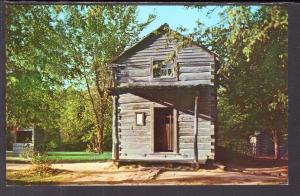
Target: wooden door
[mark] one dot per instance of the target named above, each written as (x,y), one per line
(163,130)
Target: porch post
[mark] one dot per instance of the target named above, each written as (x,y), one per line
(115,149)
(196,128)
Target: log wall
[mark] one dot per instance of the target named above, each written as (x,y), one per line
(136,142)
(196,65)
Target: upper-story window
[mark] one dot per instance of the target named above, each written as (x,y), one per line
(162,69)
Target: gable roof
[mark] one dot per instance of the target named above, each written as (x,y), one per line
(162,28)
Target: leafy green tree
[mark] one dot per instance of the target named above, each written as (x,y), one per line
(95,35)
(52,47)
(252,46)
(35,66)
(76,121)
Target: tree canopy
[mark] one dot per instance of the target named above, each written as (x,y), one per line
(252,48)
(53,47)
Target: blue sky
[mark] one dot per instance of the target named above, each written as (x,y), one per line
(177,16)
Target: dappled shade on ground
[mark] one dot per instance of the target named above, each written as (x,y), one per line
(108,173)
(237,160)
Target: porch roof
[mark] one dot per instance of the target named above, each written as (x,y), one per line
(168,86)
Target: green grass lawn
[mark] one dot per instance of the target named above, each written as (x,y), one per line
(78,156)
(66,157)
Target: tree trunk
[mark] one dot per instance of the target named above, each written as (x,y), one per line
(98,116)
(101,137)
(276,145)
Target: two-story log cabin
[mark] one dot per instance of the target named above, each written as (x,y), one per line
(164,109)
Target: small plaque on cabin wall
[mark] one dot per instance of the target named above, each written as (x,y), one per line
(140,118)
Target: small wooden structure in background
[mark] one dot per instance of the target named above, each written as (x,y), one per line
(164,109)
(263,145)
(24,139)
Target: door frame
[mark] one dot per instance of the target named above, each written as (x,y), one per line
(175,128)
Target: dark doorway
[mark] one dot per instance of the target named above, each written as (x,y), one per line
(163,130)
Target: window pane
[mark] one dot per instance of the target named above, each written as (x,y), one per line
(168,65)
(161,68)
(157,63)
(139,119)
(156,72)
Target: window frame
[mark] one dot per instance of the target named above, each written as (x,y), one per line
(143,119)
(172,76)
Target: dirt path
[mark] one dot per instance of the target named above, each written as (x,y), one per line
(107,173)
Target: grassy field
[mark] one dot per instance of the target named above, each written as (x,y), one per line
(79,156)
(65,157)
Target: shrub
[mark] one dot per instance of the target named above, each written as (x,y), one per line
(41,163)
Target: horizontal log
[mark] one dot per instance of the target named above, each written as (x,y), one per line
(196,60)
(200,123)
(134,73)
(128,124)
(190,139)
(131,121)
(193,49)
(146,65)
(125,79)
(195,69)
(201,114)
(164,155)
(160,44)
(153,52)
(144,72)
(186,128)
(135,145)
(194,64)
(133,104)
(137,131)
(195,76)
(131,113)
(135,65)
(186,50)
(151,157)
(201,131)
(189,118)
(134,139)
(202,154)
(137,106)
(140,152)
(162,84)
(193,54)
(133,99)
(201,146)
(190,133)
(196,57)
(141,61)
(132,126)
(147,79)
